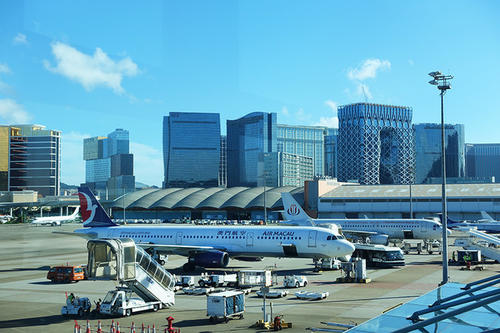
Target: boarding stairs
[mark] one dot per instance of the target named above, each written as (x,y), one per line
(122,260)
(489,245)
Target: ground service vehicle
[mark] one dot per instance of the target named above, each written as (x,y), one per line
(78,306)
(225,305)
(294,281)
(218,280)
(379,255)
(120,302)
(66,273)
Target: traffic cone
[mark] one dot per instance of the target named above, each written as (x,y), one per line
(154,328)
(117,327)
(88,328)
(112,327)
(75,330)
(143,330)
(99,329)
(149,331)
(132,328)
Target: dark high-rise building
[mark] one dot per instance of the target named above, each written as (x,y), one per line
(482,161)
(191,149)
(35,159)
(375,144)
(247,138)
(223,162)
(331,144)
(428,152)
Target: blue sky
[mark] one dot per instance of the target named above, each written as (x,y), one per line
(86,68)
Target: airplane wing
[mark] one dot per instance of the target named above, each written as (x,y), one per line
(183,250)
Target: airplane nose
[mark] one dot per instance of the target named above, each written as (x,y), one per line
(348,248)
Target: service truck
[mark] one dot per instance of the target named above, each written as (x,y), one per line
(294,281)
(218,280)
(120,302)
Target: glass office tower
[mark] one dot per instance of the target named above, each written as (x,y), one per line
(247,138)
(223,162)
(331,144)
(284,169)
(35,160)
(305,141)
(191,149)
(428,151)
(109,168)
(482,161)
(375,144)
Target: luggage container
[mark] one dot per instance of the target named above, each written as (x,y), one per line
(225,305)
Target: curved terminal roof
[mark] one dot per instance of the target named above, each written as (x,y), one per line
(205,198)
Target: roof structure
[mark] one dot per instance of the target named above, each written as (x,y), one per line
(420,190)
(205,198)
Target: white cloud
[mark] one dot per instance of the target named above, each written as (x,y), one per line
(333,105)
(13,113)
(285,111)
(411,62)
(332,122)
(20,39)
(148,164)
(91,70)
(363,91)
(4,68)
(72,163)
(368,69)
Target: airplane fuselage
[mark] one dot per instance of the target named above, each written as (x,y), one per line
(258,241)
(393,228)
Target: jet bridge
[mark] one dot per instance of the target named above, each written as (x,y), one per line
(489,245)
(131,266)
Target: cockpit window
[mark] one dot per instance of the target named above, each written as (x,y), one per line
(329,238)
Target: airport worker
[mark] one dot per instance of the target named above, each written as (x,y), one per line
(71,297)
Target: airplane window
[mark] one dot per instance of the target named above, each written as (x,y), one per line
(329,238)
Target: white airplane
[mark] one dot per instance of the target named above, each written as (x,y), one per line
(379,231)
(56,220)
(212,246)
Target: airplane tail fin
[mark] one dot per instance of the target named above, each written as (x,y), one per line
(77,209)
(93,215)
(293,211)
(486,216)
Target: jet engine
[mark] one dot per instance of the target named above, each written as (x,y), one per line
(211,259)
(379,239)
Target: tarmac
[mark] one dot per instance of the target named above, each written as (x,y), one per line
(31,303)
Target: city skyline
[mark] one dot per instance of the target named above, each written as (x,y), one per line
(129,69)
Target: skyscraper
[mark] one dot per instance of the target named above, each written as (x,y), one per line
(375,144)
(284,169)
(331,144)
(223,162)
(109,168)
(305,141)
(191,149)
(35,159)
(482,161)
(428,151)
(247,138)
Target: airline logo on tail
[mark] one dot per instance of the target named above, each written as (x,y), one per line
(93,215)
(293,210)
(87,208)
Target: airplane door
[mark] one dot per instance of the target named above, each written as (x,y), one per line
(312,239)
(249,239)
(178,238)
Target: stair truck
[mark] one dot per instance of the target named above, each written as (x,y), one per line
(136,272)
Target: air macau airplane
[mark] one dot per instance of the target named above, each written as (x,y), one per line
(213,246)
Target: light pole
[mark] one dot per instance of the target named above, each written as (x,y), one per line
(442,82)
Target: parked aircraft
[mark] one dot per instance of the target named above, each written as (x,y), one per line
(212,246)
(56,220)
(379,231)
(490,226)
